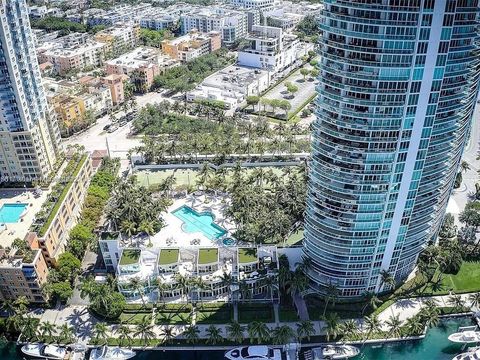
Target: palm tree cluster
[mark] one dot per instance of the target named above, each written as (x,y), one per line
(470,218)
(104,298)
(133,210)
(264,205)
(184,137)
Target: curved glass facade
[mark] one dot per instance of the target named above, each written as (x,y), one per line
(397,90)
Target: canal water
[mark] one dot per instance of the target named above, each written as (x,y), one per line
(435,346)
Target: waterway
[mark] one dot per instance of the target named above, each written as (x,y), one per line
(435,346)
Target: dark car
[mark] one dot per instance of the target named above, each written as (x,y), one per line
(106,127)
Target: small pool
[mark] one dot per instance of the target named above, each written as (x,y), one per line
(199,222)
(11,213)
(229,241)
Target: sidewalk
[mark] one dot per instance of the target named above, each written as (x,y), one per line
(80,319)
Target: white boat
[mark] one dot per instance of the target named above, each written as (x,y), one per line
(256,352)
(471,354)
(465,337)
(111,353)
(333,352)
(44,351)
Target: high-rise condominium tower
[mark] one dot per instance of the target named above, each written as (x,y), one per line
(398,83)
(28,133)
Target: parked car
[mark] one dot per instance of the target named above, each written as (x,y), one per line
(106,127)
(112,128)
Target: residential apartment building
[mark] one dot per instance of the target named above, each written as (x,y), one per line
(22,273)
(72,101)
(192,45)
(394,111)
(159,20)
(120,38)
(232,24)
(254,4)
(116,85)
(247,265)
(270,49)
(66,57)
(141,66)
(29,134)
(53,229)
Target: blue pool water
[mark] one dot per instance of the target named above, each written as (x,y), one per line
(229,241)
(195,222)
(10,213)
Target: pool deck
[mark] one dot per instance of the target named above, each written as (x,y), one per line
(20,228)
(172,234)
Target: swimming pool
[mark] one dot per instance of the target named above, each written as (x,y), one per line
(199,222)
(11,213)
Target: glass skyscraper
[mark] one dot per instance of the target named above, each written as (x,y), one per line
(397,90)
(29,134)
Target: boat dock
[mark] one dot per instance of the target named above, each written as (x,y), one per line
(292,351)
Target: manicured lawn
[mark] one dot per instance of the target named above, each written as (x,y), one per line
(207,256)
(131,318)
(466,280)
(287,314)
(295,238)
(173,314)
(130,256)
(168,256)
(255,312)
(247,255)
(183,177)
(210,315)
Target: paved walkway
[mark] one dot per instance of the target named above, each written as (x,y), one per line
(83,322)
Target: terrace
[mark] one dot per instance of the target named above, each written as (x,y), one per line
(168,260)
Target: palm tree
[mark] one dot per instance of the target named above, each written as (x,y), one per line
(297,284)
(371,300)
(394,325)
(214,335)
(29,327)
(464,166)
(46,330)
(235,332)
(372,324)
(145,330)
(457,302)
(191,334)
(332,325)
(137,285)
(66,334)
(183,284)
(128,227)
(330,294)
(414,325)
(282,334)
(124,334)
(305,329)
(21,305)
(387,279)
(168,334)
(258,330)
(350,329)
(100,331)
(474,300)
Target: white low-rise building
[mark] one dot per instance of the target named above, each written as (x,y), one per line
(270,49)
(232,85)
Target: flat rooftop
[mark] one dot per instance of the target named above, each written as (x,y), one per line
(247,255)
(130,256)
(234,75)
(207,256)
(138,57)
(168,256)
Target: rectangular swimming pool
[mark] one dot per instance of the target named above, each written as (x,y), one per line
(199,222)
(11,213)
